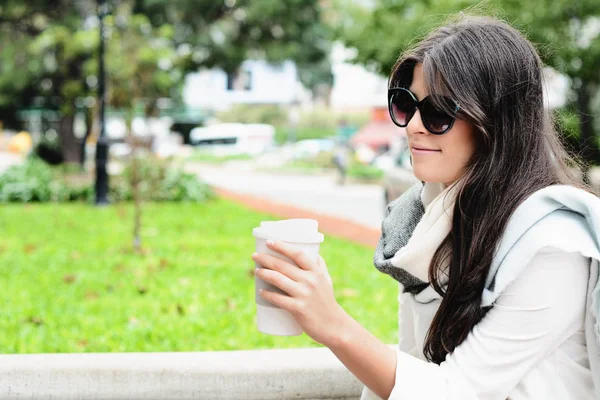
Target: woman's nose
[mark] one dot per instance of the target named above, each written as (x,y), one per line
(415,125)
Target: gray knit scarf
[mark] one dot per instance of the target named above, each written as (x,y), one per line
(402,217)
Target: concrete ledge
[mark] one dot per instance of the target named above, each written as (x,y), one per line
(253,375)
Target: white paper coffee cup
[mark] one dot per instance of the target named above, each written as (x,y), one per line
(302,233)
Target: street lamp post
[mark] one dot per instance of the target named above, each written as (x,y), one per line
(102,143)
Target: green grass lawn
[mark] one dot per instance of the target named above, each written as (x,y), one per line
(71,283)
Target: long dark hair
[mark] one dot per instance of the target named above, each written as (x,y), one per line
(496,76)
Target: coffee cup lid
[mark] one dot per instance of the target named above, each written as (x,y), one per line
(290,230)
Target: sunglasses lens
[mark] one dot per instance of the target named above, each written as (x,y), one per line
(436,120)
(402,107)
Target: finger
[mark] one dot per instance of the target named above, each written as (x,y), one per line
(321,263)
(278,280)
(324,269)
(294,253)
(280,300)
(279,265)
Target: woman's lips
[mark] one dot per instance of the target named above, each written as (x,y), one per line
(417,150)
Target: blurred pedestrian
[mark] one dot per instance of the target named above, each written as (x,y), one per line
(341,159)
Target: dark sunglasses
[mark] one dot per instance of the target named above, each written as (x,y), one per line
(403,104)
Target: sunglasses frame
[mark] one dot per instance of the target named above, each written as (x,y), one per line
(418,106)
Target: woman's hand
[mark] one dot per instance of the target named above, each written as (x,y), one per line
(310,298)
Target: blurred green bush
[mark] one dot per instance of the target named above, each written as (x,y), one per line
(365,172)
(159,182)
(36,181)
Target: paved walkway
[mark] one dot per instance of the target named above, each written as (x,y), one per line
(351,211)
(363,204)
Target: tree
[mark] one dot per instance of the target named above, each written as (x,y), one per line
(58,42)
(144,68)
(566,34)
(47,46)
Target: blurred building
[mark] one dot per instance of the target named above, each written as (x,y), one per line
(255,82)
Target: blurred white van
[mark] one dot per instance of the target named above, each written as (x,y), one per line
(233,138)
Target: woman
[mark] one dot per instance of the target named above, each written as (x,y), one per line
(496,254)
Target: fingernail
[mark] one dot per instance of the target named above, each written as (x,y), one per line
(270,243)
(254,255)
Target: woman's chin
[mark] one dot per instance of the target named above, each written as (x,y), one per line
(425,175)
(433,176)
